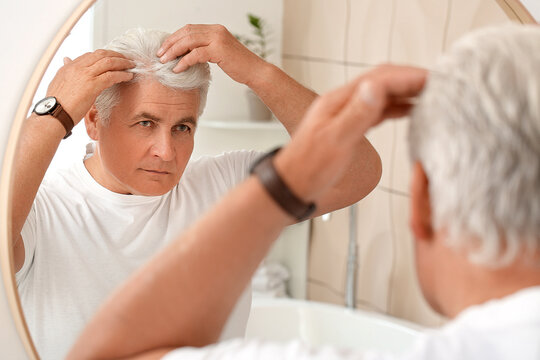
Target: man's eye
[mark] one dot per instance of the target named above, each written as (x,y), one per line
(145,123)
(182,128)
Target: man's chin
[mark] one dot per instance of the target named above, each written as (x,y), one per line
(152,189)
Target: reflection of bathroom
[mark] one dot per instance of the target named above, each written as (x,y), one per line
(322,44)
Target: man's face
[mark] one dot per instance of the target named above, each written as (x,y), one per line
(146,144)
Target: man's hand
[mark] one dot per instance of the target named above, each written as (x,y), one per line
(333,128)
(78,83)
(210,43)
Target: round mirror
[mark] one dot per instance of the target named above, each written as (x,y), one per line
(311,47)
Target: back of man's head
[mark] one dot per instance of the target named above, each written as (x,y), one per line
(142,45)
(476,132)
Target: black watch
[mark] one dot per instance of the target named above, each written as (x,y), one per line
(51,106)
(278,190)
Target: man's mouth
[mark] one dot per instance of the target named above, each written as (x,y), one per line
(157,172)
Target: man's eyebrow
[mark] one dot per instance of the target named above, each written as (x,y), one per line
(189,119)
(145,115)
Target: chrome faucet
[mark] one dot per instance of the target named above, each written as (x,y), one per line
(352,260)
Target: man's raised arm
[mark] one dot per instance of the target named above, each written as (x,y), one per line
(287,99)
(184,295)
(75,87)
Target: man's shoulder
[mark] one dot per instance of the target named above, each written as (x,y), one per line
(229,159)
(220,172)
(65,180)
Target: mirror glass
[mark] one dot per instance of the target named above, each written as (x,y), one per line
(60,294)
(318,58)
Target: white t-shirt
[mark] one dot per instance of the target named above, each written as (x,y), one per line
(82,241)
(506,329)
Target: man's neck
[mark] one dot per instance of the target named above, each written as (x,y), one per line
(467,284)
(95,167)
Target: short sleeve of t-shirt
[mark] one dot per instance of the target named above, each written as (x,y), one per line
(232,167)
(28,234)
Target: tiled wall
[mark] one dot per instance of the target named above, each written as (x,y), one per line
(325,44)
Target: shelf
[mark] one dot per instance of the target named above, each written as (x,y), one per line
(242,125)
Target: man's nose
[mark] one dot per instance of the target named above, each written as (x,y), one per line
(163,147)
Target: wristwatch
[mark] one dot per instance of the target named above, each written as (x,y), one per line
(264,169)
(51,106)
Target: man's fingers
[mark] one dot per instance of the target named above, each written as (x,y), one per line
(403,81)
(67,60)
(196,56)
(111,64)
(110,78)
(91,58)
(184,45)
(182,32)
(396,111)
(363,109)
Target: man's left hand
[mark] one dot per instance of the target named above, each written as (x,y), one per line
(214,44)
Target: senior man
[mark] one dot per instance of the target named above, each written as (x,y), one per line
(475,195)
(80,234)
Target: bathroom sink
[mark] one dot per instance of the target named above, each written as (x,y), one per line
(324,324)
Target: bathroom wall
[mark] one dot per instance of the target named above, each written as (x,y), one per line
(326,43)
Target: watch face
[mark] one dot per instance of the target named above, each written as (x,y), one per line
(45,106)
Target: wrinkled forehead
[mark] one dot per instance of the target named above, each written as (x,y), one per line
(152,92)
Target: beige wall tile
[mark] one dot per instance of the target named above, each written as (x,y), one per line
(328,251)
(322,293)
(418,31)
(406,299)
(467,15)
(314,28)
(318,76)
(369,31)
(374,250)
(354,71)
(400,164)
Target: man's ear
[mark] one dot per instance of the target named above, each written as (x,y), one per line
(420,221)
(91,121)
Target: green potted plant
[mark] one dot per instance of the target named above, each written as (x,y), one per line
(258,43)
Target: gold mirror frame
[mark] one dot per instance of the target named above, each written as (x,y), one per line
(6,256)
(513,9)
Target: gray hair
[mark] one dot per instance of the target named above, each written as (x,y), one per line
(141,45)
(476,131)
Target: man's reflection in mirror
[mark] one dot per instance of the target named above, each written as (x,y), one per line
(81,232)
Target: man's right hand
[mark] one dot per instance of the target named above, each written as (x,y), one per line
(328,137)
(78,83)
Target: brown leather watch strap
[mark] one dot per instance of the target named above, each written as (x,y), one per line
(64,118)
(278,190)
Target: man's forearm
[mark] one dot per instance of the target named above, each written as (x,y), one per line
(283,95)
(362,176)
(289,101)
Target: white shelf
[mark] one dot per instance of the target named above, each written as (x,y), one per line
(242,124)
